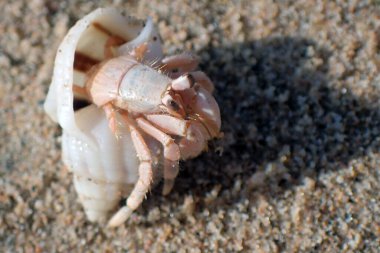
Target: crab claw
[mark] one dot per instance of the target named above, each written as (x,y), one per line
(207,110)
(204,118)
(194,142)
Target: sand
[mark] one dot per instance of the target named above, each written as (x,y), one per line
(298,85)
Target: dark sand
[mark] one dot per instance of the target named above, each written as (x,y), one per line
(298,85)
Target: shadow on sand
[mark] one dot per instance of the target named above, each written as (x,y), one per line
(280,115)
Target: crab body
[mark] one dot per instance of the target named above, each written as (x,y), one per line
(129,85)
(142,89)
(139,113)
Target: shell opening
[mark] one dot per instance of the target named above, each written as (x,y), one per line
(98,42)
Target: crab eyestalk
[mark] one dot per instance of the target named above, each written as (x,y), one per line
(173,104)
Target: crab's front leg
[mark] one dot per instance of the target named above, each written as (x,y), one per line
(145,177)
(193,140)
(171,152)
(194,135)
(174,126)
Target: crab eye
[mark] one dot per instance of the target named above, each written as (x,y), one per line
(174,105)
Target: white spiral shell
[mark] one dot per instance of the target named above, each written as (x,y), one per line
(104,167)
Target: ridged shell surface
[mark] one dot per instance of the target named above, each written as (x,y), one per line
(104,166)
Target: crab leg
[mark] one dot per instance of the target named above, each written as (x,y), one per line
(171,149)
(180,63)
(207,111)
(195,140)
(174,126)
(111,117)
(194,134)
(110,111)
(145,177)
(183,82)
(171,169)
(169,124)
(187,81)
(202,79)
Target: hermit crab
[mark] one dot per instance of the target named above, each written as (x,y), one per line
(128,113)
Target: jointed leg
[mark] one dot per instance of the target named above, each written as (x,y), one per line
(181,67)
(194,134)
(176,126)
(188,80)
(195,140)
(171,169)
(111,117)
(183,82)
(171,149)
(169,124)
(145,178)
(202,79)
(178,64)
(207,111)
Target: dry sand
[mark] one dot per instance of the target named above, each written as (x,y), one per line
(298,85)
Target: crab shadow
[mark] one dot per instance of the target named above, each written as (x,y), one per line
(281,115)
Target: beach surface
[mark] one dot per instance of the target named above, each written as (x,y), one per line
(298,86)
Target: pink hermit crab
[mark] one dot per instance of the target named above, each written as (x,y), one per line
(140,111)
